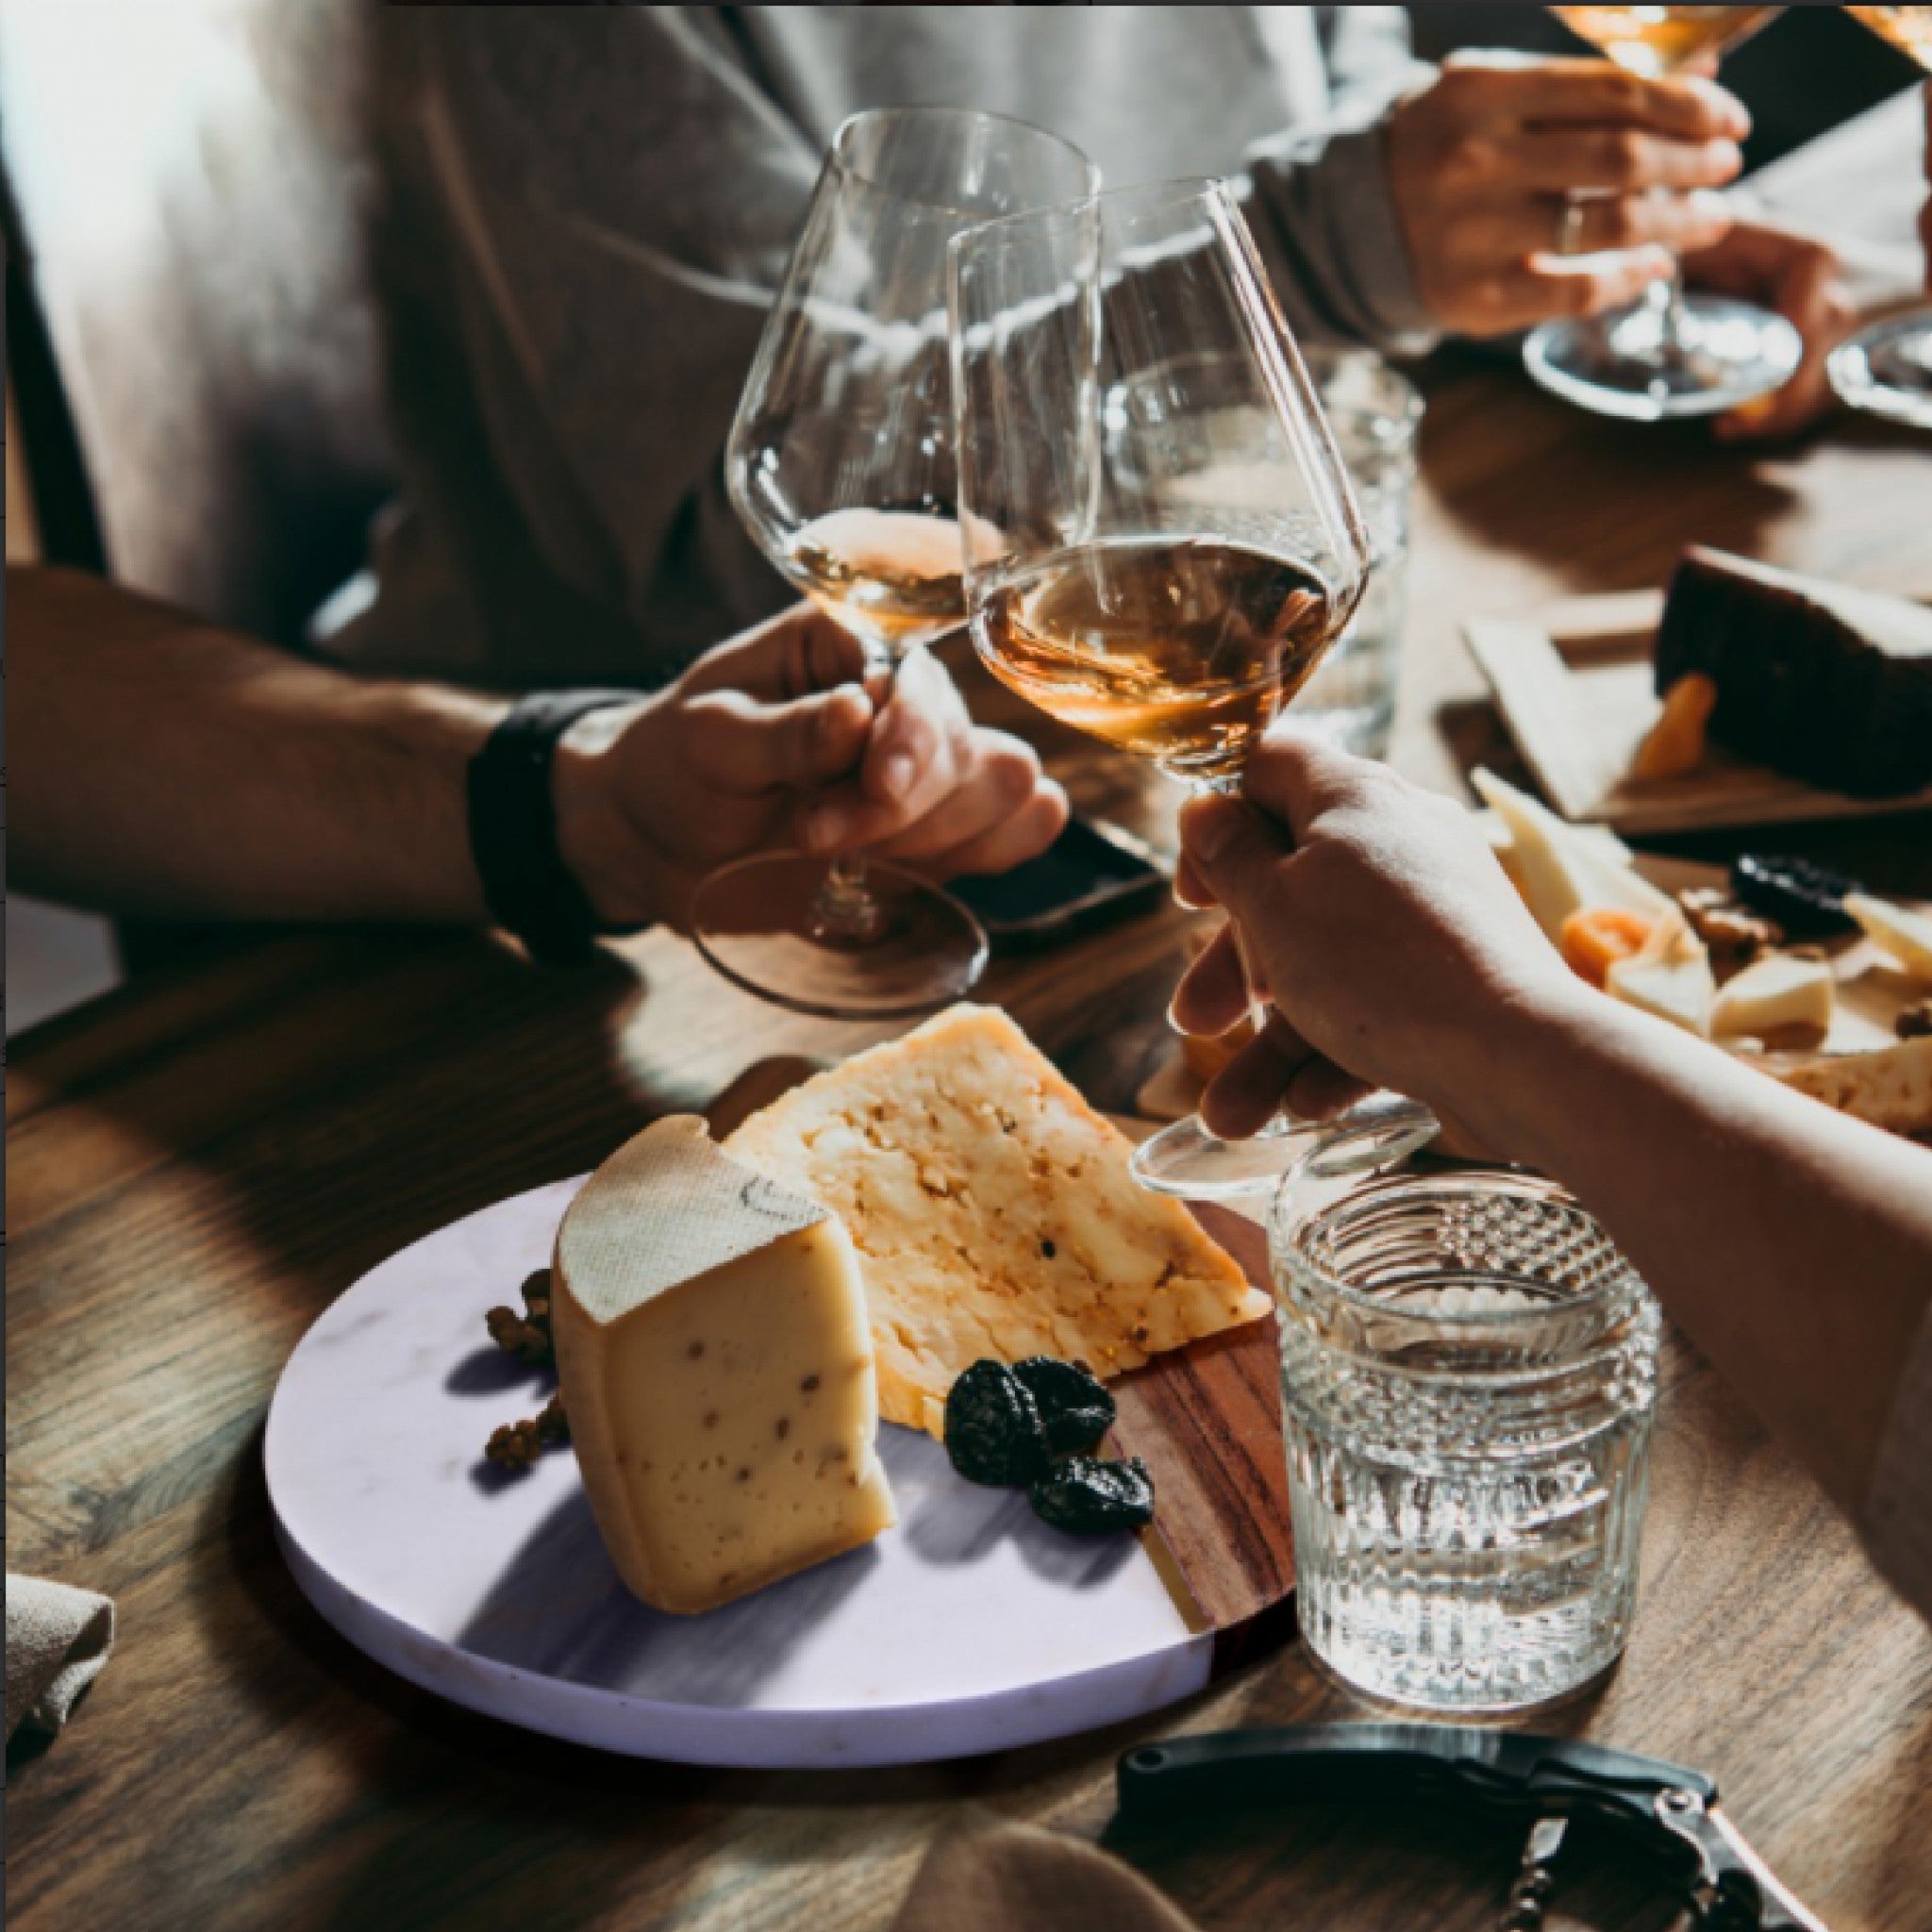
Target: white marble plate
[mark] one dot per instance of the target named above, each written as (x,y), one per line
(968,1627)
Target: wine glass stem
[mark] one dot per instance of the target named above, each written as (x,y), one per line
(846,910)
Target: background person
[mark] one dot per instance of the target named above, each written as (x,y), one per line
(587,210)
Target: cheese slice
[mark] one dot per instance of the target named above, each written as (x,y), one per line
(1905,934)
(1670,978)
(1772,993)
(1891,1087)
(1559,868)
(994,1212)
(717,1370)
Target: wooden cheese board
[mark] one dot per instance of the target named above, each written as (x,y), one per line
(1574,687)
(971,1627)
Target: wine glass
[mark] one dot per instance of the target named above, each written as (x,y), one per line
(1673,353)
(1161,539)
(1888,367)
(840,465)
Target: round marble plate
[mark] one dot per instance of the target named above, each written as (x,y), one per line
(971,1627)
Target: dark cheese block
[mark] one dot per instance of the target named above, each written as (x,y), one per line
(1816,681)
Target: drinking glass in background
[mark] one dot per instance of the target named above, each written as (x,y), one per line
(1469,1379)
(1376,416)
(1673,353)
(1887,369)
(1161,539)
(841,466)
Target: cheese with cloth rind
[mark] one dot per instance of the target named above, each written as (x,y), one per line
(717,1369)
(994,1212)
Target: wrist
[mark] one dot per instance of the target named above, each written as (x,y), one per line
(615,867)
(1511,1078)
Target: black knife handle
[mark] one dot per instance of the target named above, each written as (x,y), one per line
(1502,1773)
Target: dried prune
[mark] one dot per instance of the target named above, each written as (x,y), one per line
(1089,1496)
(1073,1404)
(993,1431)
(1807,900)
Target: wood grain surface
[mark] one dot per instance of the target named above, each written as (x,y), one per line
(197,1166)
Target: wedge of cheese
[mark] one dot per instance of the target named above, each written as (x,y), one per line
(717,1370)
(1905,934)
(1561,868)
(1670,978)
(994,1212)
(1779,993)
(1891,1087)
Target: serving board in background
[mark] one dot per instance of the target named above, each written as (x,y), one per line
(970,1626)
(1575,689)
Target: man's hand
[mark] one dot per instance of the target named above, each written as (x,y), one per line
(771,740)
(1374,913)
(1483,162)
(1796,277)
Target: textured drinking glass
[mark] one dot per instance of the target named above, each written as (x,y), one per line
(1376,416)
(1469,1374)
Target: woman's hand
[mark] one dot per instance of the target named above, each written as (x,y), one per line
(1482,164)
(1802,280)
(772,741)
(1393,948)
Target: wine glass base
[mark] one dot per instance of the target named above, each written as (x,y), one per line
(762,924)
(1887,369)
(1623,364)
(1187,1161)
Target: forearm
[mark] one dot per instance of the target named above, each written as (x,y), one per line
(1789,1242)
(161,765)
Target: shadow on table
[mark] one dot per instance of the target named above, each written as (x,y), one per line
(1523,474)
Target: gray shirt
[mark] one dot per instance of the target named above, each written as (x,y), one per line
(587,210)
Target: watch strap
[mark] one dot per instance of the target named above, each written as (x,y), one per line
(527,885)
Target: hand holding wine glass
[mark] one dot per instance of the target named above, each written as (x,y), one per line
(1162,540)
(840,465)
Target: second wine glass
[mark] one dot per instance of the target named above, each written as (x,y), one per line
(841,466)
(1162,541)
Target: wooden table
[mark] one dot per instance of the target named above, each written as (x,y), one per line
(197,1166)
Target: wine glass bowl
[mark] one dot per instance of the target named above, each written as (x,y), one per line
(841,466)
(1162,540)
(1672,354)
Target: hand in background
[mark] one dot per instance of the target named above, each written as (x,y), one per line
(1799,279)
(1375,915)
(771,740)
(1482,162)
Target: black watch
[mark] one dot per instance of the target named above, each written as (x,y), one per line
(526,886)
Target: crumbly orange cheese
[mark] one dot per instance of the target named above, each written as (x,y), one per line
(716,1364)
(994,1211)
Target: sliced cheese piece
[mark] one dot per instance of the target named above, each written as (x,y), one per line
(1773,994)
(717,1370)
(1889,1087)
(1561,868)
(1670,978)
(1905,934)
(994,1212)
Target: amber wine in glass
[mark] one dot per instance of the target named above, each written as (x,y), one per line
(1887,369)
(1673,353)
(1161,539)
(841,466)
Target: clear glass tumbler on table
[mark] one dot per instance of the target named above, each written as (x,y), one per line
(1161,539)
(1673,352)
(1469,1376)
(841,466)
(1887,369)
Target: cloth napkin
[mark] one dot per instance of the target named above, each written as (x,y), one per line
(57,1641)
(1012,1878)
